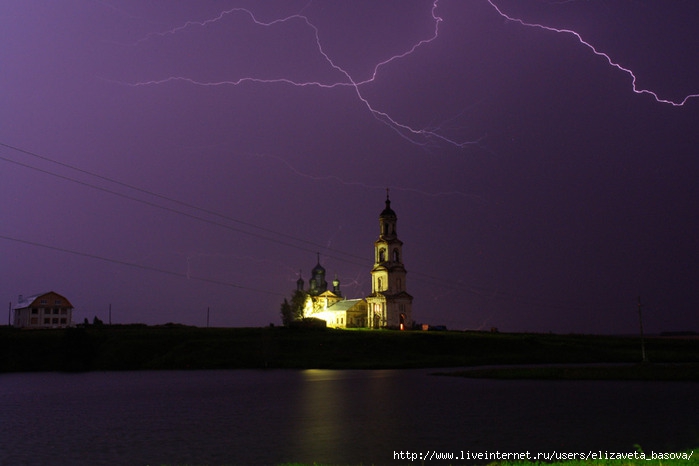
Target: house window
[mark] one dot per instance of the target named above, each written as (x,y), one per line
(63,320)
(55,320)
(43,301)
(35,310)
(55,310)
(34,320)
(47,320)
(57,302)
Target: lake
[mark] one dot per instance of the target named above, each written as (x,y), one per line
(346,417)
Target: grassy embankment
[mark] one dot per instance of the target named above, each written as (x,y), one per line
(179,347)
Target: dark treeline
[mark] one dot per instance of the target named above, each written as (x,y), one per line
(104,347)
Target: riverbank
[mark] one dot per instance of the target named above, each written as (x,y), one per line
(687,372)
(134,347)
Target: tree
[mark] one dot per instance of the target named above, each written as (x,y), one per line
(286,312)
(293,310)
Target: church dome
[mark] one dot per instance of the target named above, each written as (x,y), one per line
(318,284)
(318,270)
(388,212)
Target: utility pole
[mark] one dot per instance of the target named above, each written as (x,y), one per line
(110,313)
(640,325)
(207,317)
(9,315)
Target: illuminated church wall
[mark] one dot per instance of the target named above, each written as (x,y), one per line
(388,306)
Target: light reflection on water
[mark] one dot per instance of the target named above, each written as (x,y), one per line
(345,417)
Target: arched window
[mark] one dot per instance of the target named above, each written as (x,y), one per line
(382,255)
(396,255)
(379,284)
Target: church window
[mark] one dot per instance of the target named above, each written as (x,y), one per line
(396,255)
(398,284)
(382,255)
(379,284)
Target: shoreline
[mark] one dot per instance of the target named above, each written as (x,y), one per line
(638,372)
(103,348)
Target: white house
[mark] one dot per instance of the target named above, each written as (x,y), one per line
(44,310)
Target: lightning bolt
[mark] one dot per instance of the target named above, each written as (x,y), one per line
(356,283)
(419,136)
(632,75)
(336,179)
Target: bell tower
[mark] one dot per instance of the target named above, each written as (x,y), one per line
(389,304)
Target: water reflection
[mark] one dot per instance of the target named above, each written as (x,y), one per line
(317,430)
(339,413)
(334,417)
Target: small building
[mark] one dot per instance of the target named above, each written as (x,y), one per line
(44,310)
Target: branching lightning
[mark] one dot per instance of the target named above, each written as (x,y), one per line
(418,136)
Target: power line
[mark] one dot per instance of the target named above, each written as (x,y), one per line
(350,257)
(185,204)
(134,265)
(316,246)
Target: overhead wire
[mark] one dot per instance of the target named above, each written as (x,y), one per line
(329,252)
(135,265)
(181,203)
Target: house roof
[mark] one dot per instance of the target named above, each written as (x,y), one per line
(384,294)
(344,305)
(27,301)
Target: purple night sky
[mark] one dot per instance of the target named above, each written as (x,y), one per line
(169,157)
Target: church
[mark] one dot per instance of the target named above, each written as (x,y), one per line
(388,306)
